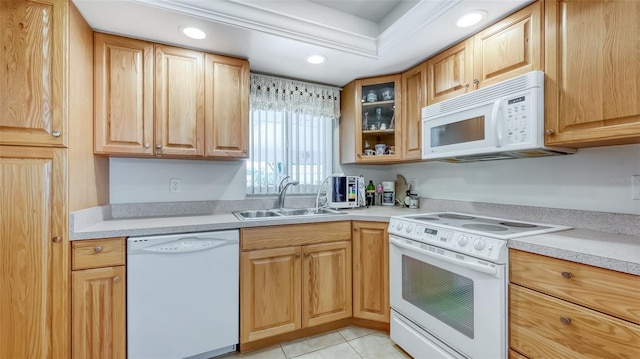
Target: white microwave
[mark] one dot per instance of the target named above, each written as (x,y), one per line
(501,121)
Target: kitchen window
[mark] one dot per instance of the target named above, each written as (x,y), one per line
(291,134)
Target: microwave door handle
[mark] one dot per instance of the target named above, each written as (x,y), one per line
(461,263)
(496,122)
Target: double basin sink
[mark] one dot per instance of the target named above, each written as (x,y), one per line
(283,213)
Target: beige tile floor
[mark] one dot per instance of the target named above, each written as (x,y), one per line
(346,343)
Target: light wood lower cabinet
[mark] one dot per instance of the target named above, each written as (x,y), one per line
(288,287)
(562,309)
(371,271)
(34,253)
(98,298)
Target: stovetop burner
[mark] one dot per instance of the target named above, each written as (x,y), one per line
(485,227)
(455,216)
(518,224)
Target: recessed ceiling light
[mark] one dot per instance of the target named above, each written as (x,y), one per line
(194,33)
(316,59)
(471,18)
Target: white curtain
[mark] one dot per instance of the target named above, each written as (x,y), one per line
(278,94)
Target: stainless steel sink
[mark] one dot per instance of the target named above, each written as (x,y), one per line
(283,212)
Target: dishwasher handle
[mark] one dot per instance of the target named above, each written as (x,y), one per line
(186,245)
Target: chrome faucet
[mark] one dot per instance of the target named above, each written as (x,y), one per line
(282,188)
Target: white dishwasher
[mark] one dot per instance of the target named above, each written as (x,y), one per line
(182,295)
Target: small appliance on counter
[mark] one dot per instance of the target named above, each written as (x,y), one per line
(346,191)
(388,193)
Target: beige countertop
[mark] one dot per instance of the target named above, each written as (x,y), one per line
(602,249)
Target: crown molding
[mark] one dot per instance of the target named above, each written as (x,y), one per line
(251,17)
(412,22)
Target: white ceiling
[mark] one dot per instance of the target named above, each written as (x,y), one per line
(359,38)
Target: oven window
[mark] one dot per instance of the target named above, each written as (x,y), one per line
(440,293)
(458,132)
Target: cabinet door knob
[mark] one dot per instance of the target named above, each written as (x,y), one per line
(57,239)
(98,249)
(158,146)
(244,150)
(565,320)
(567,275)
(466,85)
(55,133)
(116,279)
(146,145)
(476,82)
(550,132)
(297,255)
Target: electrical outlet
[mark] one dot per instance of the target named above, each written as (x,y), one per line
(175,185)
(413,185)
(635,187)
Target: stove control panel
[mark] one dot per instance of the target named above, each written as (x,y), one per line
(491,249)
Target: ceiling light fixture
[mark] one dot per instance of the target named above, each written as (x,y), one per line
(471,18)
(316,59)
(194,33)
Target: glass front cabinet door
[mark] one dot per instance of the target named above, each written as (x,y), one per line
(371,121)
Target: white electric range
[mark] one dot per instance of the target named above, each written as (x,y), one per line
(448,283)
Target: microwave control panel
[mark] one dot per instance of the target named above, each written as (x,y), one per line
(517,121)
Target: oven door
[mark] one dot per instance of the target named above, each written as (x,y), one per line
(460,302)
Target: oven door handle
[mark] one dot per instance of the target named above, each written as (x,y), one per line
(472,266)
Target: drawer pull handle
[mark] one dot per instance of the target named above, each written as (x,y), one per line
(565,320)
(116,279)
(567,275)
(98,249)
(57,239)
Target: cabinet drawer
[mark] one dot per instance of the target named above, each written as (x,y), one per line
(294,235)
(545,327)
(601,289)
(95,253)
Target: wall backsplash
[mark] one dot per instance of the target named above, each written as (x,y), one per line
(594,179)
(140,180)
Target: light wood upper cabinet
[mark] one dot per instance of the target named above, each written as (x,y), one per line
(33,68)
(326,283)
(371,271)
(98,305)
(450,73)
(164,101)
(226,107)
(414,98)
(34,252)
(510,47)
(592,88)
(123,71)
(371,115)
(269,293)
(179,102)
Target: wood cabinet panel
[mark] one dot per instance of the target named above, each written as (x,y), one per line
(226,107)
(34,253)
(294,235)
(545,327)
(179,102)
(97,253)
(371,271)
(511,47)
(515,355)
(414,94)
(269,293)
(450,73)
(326,283)
(98,302)
(33,69)
(123,71)
(592,88)
(605,290)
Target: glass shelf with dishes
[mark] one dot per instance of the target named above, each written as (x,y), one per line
(378,119)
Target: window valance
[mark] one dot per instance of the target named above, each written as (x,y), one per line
(278,94)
